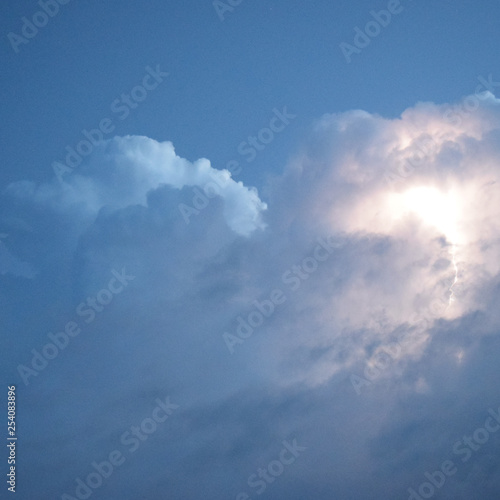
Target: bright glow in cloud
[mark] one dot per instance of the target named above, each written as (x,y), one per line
(421,247)
(434,207)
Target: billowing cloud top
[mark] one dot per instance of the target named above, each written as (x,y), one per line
(124,170)
(356,315)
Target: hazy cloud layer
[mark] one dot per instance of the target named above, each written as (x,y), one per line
(381,236)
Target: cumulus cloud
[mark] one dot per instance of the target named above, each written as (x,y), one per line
(381,235)
(426,233)
(122,172)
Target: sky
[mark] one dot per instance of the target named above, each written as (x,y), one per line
(250,249)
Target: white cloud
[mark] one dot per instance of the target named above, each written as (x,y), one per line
(441,212)
(124,170)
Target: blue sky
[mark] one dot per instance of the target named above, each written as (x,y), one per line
(277,262)
(226,77)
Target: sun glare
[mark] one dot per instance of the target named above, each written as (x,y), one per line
(437,209)
(434,207)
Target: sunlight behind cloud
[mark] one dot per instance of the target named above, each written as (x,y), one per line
(434,207)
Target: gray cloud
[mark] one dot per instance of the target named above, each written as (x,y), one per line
(388,273)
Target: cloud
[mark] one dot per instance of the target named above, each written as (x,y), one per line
(402,209)
(403,247)
(122,172)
